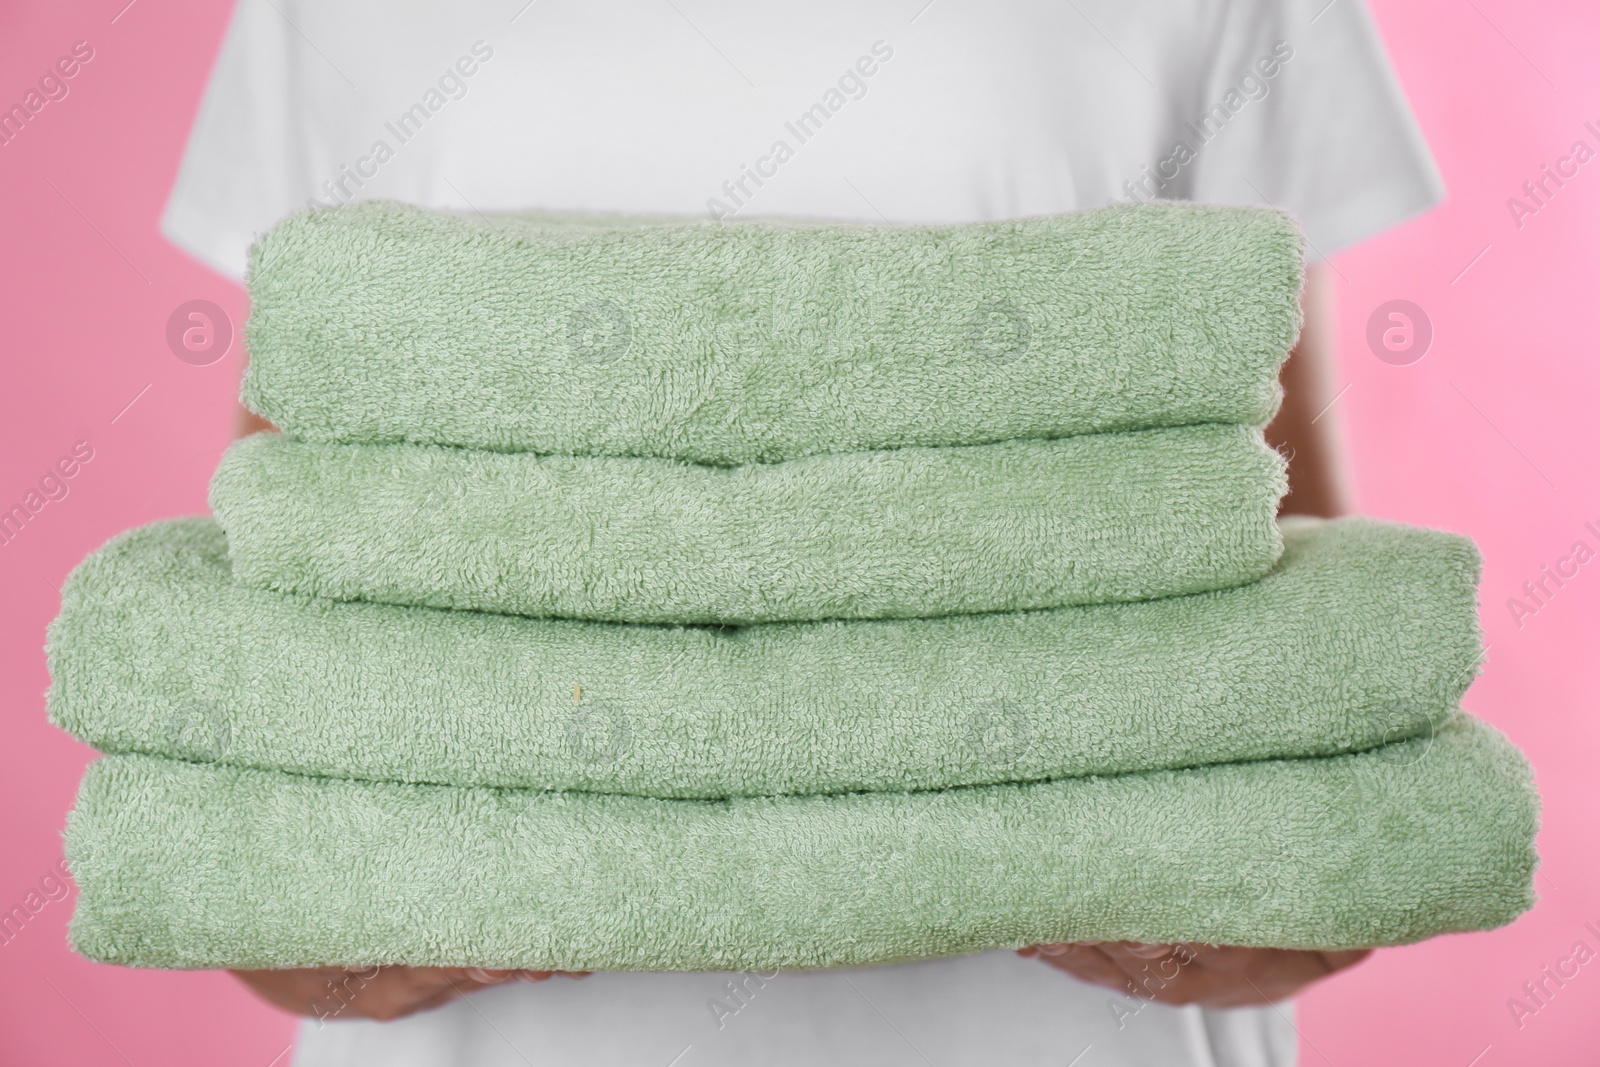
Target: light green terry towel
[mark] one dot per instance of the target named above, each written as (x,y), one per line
(906,533)
(1363,632)
(731,343)
(186,865)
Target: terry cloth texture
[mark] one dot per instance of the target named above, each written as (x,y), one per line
(1364,632)
(759,341)
(185,865)
(908,533)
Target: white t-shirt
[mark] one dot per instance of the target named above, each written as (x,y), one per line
(910,111)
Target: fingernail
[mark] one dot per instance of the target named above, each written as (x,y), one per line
(1146,951)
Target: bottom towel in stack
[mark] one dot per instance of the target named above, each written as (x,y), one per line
(188,865)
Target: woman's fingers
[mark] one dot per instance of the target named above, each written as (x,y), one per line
(379,993)
(1214,976)
(1085,962)
(1148,951)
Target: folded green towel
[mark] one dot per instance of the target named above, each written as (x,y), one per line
(1363,632)
(185,865)
(730,343)
(906,533)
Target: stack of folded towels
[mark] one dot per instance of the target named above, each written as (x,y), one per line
(664,595)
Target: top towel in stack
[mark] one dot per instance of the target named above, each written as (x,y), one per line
(688,422)
(755,342)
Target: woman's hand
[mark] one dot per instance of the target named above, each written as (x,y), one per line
(377,992)
(1208,975)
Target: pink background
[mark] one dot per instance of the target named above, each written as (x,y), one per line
(1491,434)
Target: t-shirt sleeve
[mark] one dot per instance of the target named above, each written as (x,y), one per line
(241,169)
(1303,111)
